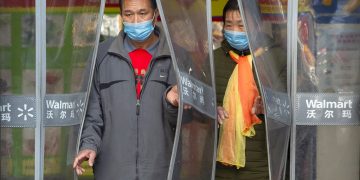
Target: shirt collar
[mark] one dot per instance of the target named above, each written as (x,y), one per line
(226,47)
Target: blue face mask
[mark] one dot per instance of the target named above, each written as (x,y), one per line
(139,31)
(237,40)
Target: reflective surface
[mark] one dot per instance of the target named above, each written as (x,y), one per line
(17,77)
(186,21)
(70,40)
(328,66)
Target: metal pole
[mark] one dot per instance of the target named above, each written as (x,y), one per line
(211,58)
(40,43)
(292,36)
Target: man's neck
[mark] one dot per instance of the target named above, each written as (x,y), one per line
(145,44)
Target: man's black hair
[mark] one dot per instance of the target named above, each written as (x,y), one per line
(153,4)
(231,5)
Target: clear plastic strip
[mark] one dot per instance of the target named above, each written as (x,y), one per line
(240,3)
(93,61)
(181,105)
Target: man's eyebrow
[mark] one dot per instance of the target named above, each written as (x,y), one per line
(127,11)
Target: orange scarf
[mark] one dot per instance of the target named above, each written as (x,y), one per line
(239,98)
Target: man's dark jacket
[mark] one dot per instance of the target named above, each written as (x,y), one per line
(132,140)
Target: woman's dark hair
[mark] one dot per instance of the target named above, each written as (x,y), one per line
(231,5)
(153,4)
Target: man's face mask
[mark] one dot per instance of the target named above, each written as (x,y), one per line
(139,31)
(237,40)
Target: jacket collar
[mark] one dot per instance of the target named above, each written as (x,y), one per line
(117,46)
(227,48)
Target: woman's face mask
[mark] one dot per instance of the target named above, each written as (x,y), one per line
(139,31)
(236,39)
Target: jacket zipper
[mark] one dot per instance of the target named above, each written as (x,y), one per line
(137,115)
(137,107)
(138,103)
(149,72)
(137,137)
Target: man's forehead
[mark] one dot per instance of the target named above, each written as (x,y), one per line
(233,15)
(136,4)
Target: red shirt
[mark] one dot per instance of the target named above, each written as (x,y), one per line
(140,59)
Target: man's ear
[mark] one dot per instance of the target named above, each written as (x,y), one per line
(156,15)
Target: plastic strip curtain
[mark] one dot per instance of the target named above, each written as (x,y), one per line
(187,30)
(266,27)
(323,63)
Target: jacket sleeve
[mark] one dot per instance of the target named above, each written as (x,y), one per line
(93,124)
(170,111)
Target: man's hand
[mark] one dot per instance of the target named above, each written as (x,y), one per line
(172,97)
(222,114)
(258,107)
(84,155)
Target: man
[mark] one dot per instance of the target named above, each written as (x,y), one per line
(239,157)
(129,126)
